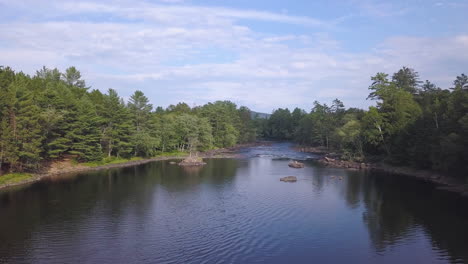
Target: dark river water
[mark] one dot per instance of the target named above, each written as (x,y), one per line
(232,211)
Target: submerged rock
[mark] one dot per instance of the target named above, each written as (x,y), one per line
(192,161)
(289,179)
(296,164)
(281,158)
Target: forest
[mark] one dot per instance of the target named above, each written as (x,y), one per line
(413,123)
(52,114)
(55,114)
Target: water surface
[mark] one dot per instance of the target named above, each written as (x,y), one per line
(232,211)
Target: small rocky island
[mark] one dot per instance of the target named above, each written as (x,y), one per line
(296,164)
(289,179)
(192,161)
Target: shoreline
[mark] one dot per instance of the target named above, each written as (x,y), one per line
(221,153)
(441,181)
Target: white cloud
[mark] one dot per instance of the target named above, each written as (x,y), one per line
(198,54)
(380,8)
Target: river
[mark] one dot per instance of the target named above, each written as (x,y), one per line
(232,211)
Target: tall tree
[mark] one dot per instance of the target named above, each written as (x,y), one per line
(84,133)
(140,110)
(29,132)
(407,79)
(116,125)
(461,82)
(72,77)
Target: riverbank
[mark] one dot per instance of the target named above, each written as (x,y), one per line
(67,166)
(443,182)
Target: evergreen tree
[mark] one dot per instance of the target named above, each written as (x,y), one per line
(116,126)
(84,133)
(52,114)
(407,79)
(29,135)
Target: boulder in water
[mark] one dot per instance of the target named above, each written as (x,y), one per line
(289,179)
(296,164)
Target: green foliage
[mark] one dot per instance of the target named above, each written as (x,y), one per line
(53,115)
(351,137)
(174,153)
(225,122)
(247,129)
(116,126)
(109,160)
(29,134)
(411,124)
(280,125)
(407,79)
(193,133)
(11,178)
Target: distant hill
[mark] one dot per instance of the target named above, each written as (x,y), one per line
(254,114)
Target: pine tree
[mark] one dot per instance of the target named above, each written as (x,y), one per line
(140,109)
(9,153)
(117,126)
(30,136)
(85,134)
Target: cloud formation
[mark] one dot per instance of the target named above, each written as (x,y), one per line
(175,52)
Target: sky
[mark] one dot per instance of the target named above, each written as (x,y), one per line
(264,54)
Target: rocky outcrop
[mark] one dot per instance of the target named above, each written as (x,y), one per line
(296,164)
(232,152)
(192,161)
(289,179)
(445,183)
(343,163)
(308,149)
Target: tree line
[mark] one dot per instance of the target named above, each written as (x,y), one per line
(413,123)
(52,115)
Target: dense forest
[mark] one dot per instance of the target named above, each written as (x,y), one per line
(52,114)
(413,123)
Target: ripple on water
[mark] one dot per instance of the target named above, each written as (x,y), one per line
(231,211)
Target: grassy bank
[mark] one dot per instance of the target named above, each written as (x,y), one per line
(13,178)
(172,154)
(71,166)
(117,160)
(107,161)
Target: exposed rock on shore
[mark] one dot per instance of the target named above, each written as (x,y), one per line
(289,179)
(296,164)
(343,163)
(316,150)
(445,183)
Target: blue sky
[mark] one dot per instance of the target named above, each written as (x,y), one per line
(262,54)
